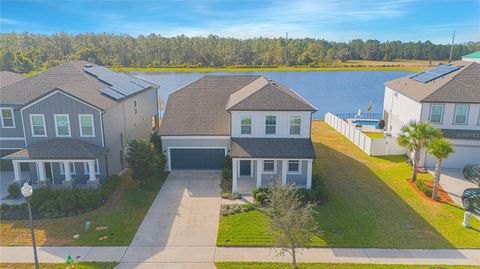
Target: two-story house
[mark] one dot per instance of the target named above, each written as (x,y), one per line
(71,124)
(448,96)
(263,126)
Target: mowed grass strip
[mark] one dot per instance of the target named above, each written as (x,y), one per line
(369,204)
(122,214)
(273,265)
(79,265)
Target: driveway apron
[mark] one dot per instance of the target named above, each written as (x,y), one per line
(182,223)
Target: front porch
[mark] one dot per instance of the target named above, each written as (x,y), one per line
(251,173)
(59,162)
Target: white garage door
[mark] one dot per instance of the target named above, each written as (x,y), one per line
(463,155)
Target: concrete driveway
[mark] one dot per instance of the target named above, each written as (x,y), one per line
(182,223)
(454,184)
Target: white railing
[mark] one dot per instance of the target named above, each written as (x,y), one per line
(371,146)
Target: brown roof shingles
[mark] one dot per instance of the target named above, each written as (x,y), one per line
(7,78)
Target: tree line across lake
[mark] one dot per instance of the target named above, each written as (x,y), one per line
(25,52)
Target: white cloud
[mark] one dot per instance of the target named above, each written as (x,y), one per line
(6,21)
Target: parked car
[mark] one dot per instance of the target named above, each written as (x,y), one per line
(471,199)
(472,172)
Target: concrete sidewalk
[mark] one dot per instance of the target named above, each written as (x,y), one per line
(204,257)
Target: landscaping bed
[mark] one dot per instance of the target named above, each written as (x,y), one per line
(114,223)
(425,187)
(369,205)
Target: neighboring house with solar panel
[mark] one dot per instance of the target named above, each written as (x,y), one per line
(71,124)
(262,125)
(472,57)
(448,96)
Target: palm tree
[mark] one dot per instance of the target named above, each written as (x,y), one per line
(439,148)
(415,136)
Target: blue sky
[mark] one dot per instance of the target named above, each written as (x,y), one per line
(338,20)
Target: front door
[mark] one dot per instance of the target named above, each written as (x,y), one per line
(245,167)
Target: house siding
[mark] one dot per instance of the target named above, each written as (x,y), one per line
(12,132)
(121,124)
(59,103)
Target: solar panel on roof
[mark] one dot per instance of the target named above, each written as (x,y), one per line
(114,94)
(121,85)
(435,73)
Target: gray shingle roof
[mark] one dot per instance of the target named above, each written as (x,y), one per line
(201,107)
(7,78)
(69,77)
(295,148)
(61,149)
(461,86)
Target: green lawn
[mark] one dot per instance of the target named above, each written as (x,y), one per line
(122,214)
(369,204)
(79,265)
(373,135)
(272,265)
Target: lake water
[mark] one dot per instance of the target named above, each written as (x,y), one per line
(336,92)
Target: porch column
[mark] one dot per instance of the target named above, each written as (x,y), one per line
(309,173)
(41,170)
(68,173)
(16,170)
(91,170)
(284,172)
(259,173)
(234,175)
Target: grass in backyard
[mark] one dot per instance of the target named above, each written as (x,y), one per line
(122,214)
(78,265)
(370,204)
(272,265)
(373,135)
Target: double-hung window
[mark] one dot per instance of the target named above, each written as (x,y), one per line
(86,125)
(269,166)
(62,125)
(461,114)
(86,168)
(295,123)
(294,167)
(7,117)
(72,169)
(246,125)
(270,125)
(436,114)
(37,124)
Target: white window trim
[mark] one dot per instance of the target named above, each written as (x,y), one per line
(251,124)
(441,116)
(299,172)
(56,127)
(299,126)
(266,116)
(13,117)
(455,114)
(80,125)
(274,167)
(85,168)
(44,125)
(73,171)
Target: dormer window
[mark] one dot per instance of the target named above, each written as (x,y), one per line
(270,125)
(246,125)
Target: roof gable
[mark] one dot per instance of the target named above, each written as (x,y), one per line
(7,78)
(272,97)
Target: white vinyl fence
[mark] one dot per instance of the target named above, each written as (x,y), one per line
(371,146)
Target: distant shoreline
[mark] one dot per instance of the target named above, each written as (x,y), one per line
(264,69)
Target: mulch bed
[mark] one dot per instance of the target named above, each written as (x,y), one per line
(443,197)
